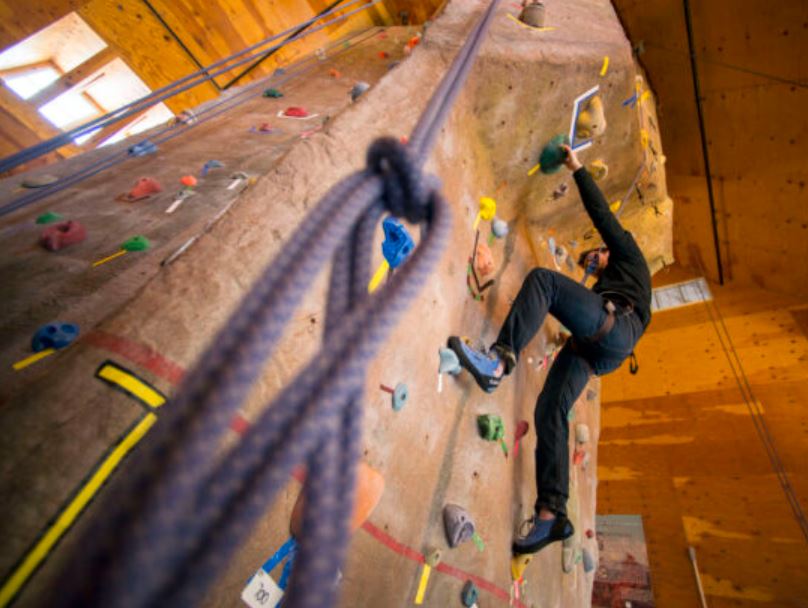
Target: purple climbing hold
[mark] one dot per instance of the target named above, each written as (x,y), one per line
(458,524)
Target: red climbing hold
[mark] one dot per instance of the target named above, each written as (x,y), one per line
(62,234)
(144,188)
(296,112)
(578,457)
(335,73)
(590,533)
(383,54)
(404,139)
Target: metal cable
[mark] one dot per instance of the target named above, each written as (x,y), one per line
(177,519)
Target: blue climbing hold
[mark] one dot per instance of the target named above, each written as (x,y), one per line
(398,243)
(143,148)
(54,335)
(211,164)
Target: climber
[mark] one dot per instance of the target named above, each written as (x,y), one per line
(605,323)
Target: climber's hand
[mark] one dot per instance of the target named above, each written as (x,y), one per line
(571,159)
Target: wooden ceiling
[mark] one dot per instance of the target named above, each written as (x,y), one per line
(753,75)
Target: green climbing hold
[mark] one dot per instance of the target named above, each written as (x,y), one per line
(136,243)
(49,217)
(553,155)
(273,92)
(491,427)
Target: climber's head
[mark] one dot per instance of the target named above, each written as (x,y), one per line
(593,261)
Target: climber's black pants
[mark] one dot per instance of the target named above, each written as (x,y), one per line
(583,312)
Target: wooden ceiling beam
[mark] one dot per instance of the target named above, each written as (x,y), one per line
(73,77)
(28,116)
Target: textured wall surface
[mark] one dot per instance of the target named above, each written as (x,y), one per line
(519,95)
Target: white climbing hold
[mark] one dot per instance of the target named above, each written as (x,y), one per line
(568,559)
(499,228)
(581,433)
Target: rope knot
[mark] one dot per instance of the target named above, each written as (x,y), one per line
(405,192)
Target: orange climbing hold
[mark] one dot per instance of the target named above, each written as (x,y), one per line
(335,73)
(189,181)
(369,489)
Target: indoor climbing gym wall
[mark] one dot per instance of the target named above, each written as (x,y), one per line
(138,253)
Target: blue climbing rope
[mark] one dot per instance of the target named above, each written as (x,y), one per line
(231,101)
(177,518)
(188,82)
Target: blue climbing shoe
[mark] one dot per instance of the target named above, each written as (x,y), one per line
(481,365)
(542,533)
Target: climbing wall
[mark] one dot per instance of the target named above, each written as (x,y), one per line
(521,93)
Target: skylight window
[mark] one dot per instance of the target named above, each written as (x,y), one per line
(27,83)
(69,110)
(680,294)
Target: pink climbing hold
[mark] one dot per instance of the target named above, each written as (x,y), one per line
(296,112)
(62,235)
(144,188)
(590,533)
(265,127)
(578,457)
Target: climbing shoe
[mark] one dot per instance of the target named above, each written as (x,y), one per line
(481,365)
(542,533)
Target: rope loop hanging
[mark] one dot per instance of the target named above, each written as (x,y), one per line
(187,503)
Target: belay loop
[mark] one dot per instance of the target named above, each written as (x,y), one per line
(633,365)
(405,192)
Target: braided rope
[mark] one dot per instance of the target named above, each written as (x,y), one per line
(188,508)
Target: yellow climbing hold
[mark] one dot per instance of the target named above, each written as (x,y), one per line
(646,94)
(605,67)
(518,565)
(615,206)
(644,137)
(488,209)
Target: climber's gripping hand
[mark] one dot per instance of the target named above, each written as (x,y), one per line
(571,159)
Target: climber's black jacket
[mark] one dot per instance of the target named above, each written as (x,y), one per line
(626,274)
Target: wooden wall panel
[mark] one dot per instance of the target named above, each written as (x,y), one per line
(679,446)
(18,20)
(753,69)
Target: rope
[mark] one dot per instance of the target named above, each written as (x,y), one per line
(753,405)
(177,519)
(96,167)
(194,79)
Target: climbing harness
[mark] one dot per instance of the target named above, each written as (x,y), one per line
(178,517)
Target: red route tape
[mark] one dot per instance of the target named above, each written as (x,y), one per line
(159,365)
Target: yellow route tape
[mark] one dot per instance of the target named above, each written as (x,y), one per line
(70,513)
(419,596)
(33,359)
(380,273)
(605,67)
(130,383)
(109,258)
(532,172)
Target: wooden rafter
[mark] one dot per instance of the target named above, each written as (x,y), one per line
(73,77)
(28,116)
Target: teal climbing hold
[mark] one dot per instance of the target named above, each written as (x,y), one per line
(49,217)
(553,155)
(273,92)
(469,594)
